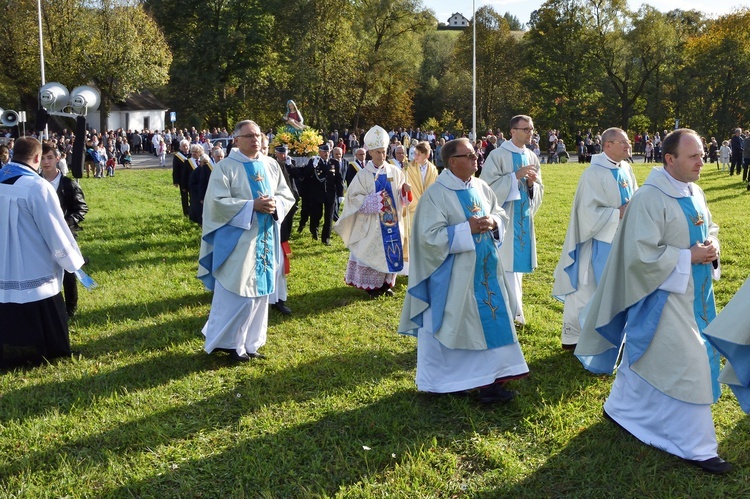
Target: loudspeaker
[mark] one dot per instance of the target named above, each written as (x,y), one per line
(9,118)
(84,99)
(53,96)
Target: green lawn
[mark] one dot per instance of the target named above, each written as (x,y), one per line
(333,411)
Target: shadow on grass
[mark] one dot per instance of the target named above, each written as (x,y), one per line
(321,457)
(140,310)
(596,463)
(328,462)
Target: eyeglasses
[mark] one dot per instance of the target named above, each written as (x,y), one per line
(250,136)
(526,129)
(470,155)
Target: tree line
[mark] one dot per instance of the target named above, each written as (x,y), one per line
(352,63)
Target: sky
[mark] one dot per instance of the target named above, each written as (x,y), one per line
(522,8)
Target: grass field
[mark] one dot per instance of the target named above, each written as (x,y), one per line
(333,410)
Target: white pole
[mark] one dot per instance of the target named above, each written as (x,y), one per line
(474,72)
(41,55)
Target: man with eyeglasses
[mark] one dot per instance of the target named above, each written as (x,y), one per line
(246,201)
(457,304)
(603,193)
(651,307)
(513,172)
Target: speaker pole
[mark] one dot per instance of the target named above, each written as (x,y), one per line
(79,145)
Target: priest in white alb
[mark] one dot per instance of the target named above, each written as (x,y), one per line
(603,192)
(457,304)
(246,201)
(513,172)
(653,303)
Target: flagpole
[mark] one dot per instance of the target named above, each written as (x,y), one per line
(474,71)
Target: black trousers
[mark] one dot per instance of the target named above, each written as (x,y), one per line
(185,199)
(736,164)
(324,209)
(70,289)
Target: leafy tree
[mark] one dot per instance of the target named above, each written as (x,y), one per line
(128,52)
(224,60)
(562,67)
(630,48)
(387,58)
(499,70)
(717,64)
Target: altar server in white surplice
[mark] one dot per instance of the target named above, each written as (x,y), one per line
(246,201)
(512,171)
(457,303)
(603,192)
(36,246)
(654,300)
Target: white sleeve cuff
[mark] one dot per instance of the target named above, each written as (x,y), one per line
(515,193)
(678,280)
(462,239)
(244,219)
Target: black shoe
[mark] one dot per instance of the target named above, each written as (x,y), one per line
(239,358)
(570,346)
(327,242)
(374,293)
(715,465)
(281,307)
(315,235)
(388,292)
(256,355)
(495,393)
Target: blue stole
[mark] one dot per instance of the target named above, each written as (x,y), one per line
(225,239)
(521,221)
(490,301)
(389,232)
(704,307)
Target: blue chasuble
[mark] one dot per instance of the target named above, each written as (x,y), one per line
(394,251)
(521,222)
(490,301)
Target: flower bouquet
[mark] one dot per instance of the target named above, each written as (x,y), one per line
(303,144)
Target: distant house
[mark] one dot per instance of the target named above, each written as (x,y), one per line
(457,20)
(137,112)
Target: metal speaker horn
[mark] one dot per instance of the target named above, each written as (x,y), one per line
(84,99)
(53,96)
(9,118)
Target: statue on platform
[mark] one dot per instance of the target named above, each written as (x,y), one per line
(293,118)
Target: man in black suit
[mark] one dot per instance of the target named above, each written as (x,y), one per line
(179,162)
(360,156)
(735,144)
(325,187)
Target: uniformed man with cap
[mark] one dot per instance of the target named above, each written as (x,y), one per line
(325,187)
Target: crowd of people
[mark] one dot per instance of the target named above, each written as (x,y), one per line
(455,215)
